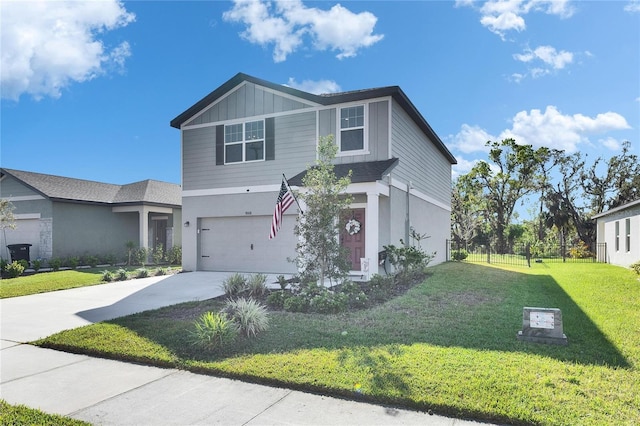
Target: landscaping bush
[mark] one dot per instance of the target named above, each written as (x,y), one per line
(406,258)
(355,296)
(24,263)
(157,254)
(580,251)
(110,259)
(107,276)
(140,256)
(276,299)
(92,261)
(14,269)
(296,303)
(36,264)
(256,285)
(213,330)
(328,302)
(142,273)
(234,285)
(636,267)
(73,262)
(459,255)
(380,287)
(161,271)
(250,316)
(55,263)
(122,275)
(174,255)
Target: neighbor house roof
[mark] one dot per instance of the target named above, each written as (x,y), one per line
(617,209)
(326,99)
(369,171)
(85,191)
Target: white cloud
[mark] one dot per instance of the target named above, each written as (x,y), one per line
(550,128)
(611,143)
(471,139)
(47,45)
(502,16)
(463,167)
(317,87)
(285,26)
(547,54)
(633,6)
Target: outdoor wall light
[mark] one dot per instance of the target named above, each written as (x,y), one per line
(186,224)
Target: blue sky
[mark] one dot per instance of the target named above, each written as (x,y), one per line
(89,88)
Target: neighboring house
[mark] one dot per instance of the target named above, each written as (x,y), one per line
(61,216)
(240,139)
(619,229)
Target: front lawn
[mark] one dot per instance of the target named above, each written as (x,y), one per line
(19,415)
(448,344)
(60,280)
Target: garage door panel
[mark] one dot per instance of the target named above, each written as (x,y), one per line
(27,231)
(242,244)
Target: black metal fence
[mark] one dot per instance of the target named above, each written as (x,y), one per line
(525,254)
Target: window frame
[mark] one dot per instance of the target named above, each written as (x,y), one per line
(627,242)
(617,235)
(244,141)
(363,127)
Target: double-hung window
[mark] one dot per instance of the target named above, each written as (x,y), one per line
(244,142)
(352,128)
(617,226)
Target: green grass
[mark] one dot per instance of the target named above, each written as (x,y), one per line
(448,345)
(44,282)
(19,415)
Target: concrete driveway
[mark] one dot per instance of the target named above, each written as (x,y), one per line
(105,392)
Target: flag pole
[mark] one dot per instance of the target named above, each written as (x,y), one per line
(293,194)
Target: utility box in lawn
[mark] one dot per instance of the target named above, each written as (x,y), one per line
(542,325)
(19,252)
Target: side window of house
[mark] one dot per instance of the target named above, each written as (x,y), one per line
(244,142)
(352,128)
(617,236)
(627,225)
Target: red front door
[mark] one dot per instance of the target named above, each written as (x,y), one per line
(353,240)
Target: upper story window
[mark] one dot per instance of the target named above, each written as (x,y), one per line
(244,142)
(352,128)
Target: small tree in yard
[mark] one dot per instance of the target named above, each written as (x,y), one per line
(319,253)
(7,220)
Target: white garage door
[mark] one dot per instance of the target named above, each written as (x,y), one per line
(27,232)
(241,244)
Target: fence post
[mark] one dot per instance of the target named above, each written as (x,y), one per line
(564,256)
(528,253)
(488,252)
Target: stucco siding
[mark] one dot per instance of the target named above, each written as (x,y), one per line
(420,161)
(10,187)
(295,148)
(88,229)
(248,100)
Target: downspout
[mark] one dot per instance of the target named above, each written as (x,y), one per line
(407,230)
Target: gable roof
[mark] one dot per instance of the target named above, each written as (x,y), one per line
(617,209)
(327,99)
(61,188)
(368,171)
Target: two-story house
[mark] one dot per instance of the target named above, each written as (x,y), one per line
(240,139)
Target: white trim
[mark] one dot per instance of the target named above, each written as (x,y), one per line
(23,216)
(390,127)
(365,129)
(25,198)
(230,190)
(377,187)
(141,208)
(403,187)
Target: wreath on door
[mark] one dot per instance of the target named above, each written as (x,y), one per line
(353,226)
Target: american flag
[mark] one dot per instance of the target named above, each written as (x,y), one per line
(285,199)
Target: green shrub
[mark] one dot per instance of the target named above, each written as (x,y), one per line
(161,271)
(174,255)
(73,262)
(356,297)
(110,259)
(234,285)
(296,303)
(250,316)
(381,287)
(142,273)
(107,276)
(213,331)
(256,284)
(122,275)
(276,299)
(459,255)
(636,267)
(157,254)
(3,263)
(92,261)
(14,269)
(580,251)
(55,263)
(406,258)
(36,264)
(23,263)
(140,256)
(328,302)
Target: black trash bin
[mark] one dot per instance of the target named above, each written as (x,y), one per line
(19,251)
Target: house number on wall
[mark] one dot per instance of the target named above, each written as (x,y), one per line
(247,213)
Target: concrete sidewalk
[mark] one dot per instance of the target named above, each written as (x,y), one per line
(106,392)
